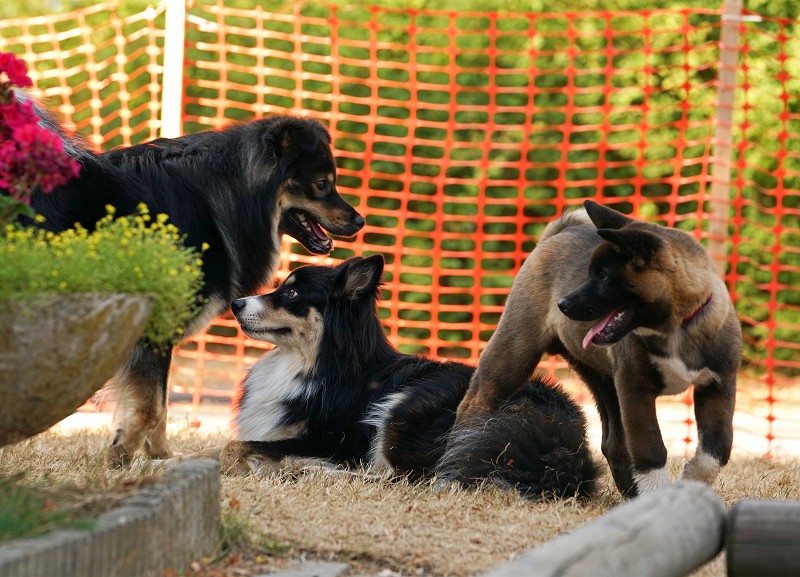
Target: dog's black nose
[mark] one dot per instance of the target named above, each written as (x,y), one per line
(237,305)
(359,221)
(563,305)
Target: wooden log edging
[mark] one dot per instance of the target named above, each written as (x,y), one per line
(164,526)
(763,539)
(667,533)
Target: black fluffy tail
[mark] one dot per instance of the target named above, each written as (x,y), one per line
(536,442)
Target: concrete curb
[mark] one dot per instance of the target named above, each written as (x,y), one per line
(163,526)
(311,569)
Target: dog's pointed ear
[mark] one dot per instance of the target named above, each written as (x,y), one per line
(638,245)
(297,134)
(604,217)
(359,276)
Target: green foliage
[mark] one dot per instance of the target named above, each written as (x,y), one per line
(12,209)
(538,6)
(236,531)
(134,254)
(12,9)
(767,272)
(27,511)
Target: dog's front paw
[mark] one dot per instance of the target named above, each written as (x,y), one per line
(233,459)
(161,453)
(702,467)
(651,480)
(118,456)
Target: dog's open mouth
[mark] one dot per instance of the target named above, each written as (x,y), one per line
(303,228)
(609,329)
(264,333)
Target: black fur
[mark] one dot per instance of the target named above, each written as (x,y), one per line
(237,190)
(535,442)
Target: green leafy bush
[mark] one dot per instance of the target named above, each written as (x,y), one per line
(130,254)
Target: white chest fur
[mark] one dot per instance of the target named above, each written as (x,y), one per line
(277,377)
(677,376)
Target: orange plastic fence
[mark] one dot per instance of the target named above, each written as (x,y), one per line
(99,69)
(460,135)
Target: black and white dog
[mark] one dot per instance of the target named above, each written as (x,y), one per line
(335,391)
(236,190)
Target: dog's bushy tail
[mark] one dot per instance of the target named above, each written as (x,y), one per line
(536,442)
(74,145)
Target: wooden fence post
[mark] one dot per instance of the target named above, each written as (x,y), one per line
(172,82)
(722,161)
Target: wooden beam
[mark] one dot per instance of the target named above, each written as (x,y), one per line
(172,83)
(722,160)
(763,539)
(667,533)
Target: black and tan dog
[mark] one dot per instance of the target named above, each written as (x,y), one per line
(652,318)
(236,190)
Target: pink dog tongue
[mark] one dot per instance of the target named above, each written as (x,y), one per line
(315,228)
(599,326)
(319,233)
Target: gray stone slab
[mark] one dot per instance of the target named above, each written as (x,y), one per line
(311,569)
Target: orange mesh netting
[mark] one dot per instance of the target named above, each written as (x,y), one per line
(460,135)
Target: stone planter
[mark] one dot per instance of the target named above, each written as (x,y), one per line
(56,351)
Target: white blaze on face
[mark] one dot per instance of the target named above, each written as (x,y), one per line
(283,375)
(259,320)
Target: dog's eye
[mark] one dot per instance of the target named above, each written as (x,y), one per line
(322,183)
(291,293)
(602,276)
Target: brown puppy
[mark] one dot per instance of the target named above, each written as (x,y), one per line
(638,311)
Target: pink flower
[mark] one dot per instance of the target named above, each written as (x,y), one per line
(40,158)
(30,155)
(15,69)
(15,114)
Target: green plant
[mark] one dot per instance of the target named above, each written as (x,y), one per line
(130,254)
(27,511)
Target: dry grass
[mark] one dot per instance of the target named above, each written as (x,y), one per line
(375,524)
(45,485)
